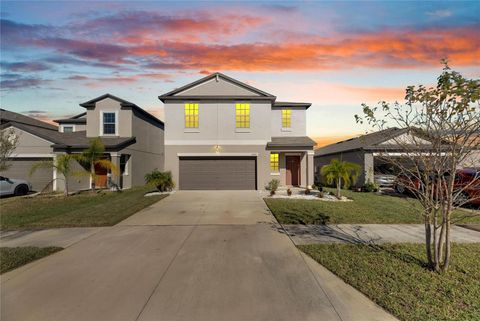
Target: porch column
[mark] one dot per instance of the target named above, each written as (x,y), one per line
(310,167)
(115,176)
(58,179)
(368,169)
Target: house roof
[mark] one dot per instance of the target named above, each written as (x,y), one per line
(368,141)
(291,141)
(123,103)
(11,117)
(171,94)
(291,104)
(79,140)
(50,135)
(77,119)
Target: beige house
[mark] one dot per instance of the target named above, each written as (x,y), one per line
(224,134)
(132,137)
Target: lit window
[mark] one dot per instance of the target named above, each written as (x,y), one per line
(109,124)
(242,115)
(274,162)
(286,118)
(191,115)
(67,129)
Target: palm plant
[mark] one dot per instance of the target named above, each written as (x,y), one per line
(338,171)
(163,181)
(62,164)
(93,157)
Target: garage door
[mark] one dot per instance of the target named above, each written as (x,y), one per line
(20,168)
(218,173)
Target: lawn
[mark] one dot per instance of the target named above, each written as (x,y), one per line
(366,208)
(13,257)
(85,209)
(395,277)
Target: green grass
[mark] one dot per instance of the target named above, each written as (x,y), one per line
(85,209)
(366,208)
(13,257)
(395,277)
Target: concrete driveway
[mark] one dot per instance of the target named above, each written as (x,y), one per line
(192,256)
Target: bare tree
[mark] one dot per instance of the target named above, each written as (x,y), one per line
(441,128)
(8,143)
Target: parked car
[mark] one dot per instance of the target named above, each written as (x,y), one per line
(13,186)
(466,180)
(384,180)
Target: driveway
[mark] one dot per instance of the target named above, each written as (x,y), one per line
(192,256)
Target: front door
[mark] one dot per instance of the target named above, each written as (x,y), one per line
(293,170)
(100,176)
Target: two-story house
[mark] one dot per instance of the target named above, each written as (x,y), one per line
(224,134)
(133,141)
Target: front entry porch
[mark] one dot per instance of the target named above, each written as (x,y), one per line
(292,168)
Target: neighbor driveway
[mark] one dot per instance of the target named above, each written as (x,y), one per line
(192,256)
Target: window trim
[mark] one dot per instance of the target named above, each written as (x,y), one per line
(62,128)
(243,129)
(272,168)
(286,129)
(197,116)
(102,112)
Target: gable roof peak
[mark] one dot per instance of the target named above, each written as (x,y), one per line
(216,75)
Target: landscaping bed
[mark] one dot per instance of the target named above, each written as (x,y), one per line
(82,210)
(13,257)
(365,208)
(395,277)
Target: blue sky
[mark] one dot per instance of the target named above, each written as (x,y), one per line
(336,55)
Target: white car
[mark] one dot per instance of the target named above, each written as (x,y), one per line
(13,186)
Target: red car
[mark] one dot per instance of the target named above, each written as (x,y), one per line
(467,180)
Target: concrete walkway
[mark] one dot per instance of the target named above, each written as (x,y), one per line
(192,256)
(61,237)
(371,233)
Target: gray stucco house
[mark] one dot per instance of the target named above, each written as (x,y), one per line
(132,137)
(224,134)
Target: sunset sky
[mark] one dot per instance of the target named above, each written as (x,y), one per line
(336,55)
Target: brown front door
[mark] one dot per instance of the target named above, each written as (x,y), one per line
(100,177)
(293,170)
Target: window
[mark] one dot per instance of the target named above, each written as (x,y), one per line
(68,129)
(274,162)
(286,118)
(242,115)
(109,123)
(191,115)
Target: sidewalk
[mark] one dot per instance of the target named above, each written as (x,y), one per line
(61,237)
(371,233)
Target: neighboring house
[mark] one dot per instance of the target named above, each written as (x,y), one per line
(34,144)
(224,134)
(369,151)
(132,137)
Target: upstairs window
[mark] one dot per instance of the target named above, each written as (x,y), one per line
(286,118)
(274,162)
(109,123)
(242,115)
(191,115)
(68,129)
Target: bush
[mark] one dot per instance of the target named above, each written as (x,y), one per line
(161,180)
(289,192)
(370,187)
(272,186)
(307,191)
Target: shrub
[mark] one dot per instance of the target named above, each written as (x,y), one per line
(273,186)
(370,187)
(161,180)
(307,191)
(289,192)
(320,194)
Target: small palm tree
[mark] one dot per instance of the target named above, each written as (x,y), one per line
(62,164)
(94,156)
(338,171)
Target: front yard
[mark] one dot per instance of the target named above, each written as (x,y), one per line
(13,257)
(85,209)
(395,277)
(366,208)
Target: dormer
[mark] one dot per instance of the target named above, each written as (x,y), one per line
(76,123)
